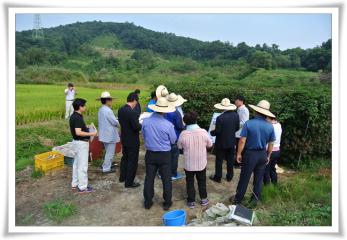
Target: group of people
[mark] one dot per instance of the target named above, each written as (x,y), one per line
(167,132)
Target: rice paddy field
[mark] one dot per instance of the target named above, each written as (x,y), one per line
(36,103)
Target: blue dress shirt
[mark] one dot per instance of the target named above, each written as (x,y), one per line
(258,132)
(158,133)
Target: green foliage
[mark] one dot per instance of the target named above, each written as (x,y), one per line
(73,39)
(297,108)
(37,174)
(185,66)
(58,210)
(302,200)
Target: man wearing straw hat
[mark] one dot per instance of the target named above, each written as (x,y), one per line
(176,119)
(159,134)
(252,154)
(226,125)
(108,133)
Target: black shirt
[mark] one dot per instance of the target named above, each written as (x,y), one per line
(130,126)
(76,121)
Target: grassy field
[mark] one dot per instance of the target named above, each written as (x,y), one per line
(36,103)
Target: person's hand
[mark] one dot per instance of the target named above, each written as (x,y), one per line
(94,134)
(267,160)
(239,158)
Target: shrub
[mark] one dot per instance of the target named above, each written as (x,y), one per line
(305,114)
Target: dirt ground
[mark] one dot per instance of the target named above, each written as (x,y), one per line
(111,204)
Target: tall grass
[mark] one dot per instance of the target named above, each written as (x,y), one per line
(35,103)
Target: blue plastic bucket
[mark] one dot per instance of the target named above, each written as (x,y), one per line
(174,218)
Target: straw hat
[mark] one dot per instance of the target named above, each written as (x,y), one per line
(105,95)
(175,100)
(161,91)
(262,107)
(162,106)
(225,105)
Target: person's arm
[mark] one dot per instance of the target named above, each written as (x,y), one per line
(269,151)
(112,119)
(178,121)
(242,143)
(80,133)
(218,128)
(179,142)
(240,148)
(134,122)
(209,143)
(172,134)
(270,144)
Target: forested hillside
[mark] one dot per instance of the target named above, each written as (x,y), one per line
(105,51)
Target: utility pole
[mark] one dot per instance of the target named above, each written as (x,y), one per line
(37,29)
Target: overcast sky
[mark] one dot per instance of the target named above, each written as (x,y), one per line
(285,30)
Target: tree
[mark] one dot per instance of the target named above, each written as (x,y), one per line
(261,59)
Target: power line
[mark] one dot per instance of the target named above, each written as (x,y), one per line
(37,29)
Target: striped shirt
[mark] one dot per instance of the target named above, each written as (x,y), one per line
(194,143)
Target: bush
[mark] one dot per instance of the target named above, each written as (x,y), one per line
(58,210)
(305,114)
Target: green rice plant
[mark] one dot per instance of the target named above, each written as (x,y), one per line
(58,210)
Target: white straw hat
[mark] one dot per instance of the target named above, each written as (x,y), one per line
(162,106)
(175,100)
(161,91)
(262,107)
(105,95)
(225,105)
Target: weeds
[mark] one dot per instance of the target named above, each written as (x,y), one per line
(58,210)
(37,174)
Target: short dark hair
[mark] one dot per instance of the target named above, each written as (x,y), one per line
(132,96)
(153,94)
(190,117)
(104,100)
(137,91)
(241,98)
(70,84)
(77,103)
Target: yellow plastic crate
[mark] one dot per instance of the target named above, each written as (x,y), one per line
(49,161)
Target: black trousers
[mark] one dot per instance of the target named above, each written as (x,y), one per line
(253,161)
(228,155)
(175,153)
(128,164)
(158,161)
(201,179)
(270,174)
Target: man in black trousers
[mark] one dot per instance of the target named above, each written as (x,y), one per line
(226,125)
(130,128)
(254,152)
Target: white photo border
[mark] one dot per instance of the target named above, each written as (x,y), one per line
(334,11)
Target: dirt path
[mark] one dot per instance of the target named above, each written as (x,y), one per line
(111,204)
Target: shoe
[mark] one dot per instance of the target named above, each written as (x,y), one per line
(228,179)
(191,205)
(177,177)
(87,190)
(74,189)
(121,180)
(252,203)
(213,178)
(233,200)
(204,202)
(166,206)
(148,205)
(134,185)
(112,170)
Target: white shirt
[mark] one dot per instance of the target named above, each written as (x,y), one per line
(278,132)
(70,94)
(243,116)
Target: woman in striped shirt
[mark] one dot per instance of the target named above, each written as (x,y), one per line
(194,141)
